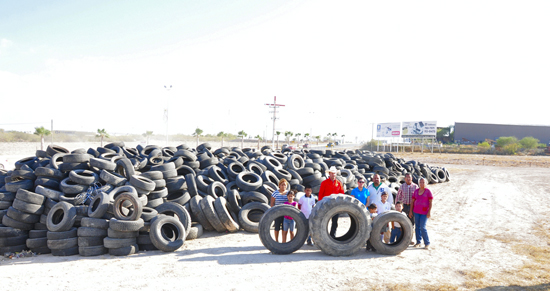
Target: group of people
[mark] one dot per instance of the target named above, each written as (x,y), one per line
(414,201)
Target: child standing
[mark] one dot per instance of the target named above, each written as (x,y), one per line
(305,204)
(382,206)
(373,214)
(288,222)
(396,227)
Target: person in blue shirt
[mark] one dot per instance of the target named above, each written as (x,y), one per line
(361,192)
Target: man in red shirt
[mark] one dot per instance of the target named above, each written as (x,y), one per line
(328,187)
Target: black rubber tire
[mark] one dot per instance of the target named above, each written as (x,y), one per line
(103,164)
(125,168)
(61,217)
(112,178)
(7,231)
(148,213)
(115,243)
(121,234)
(91,231)
(180,197)
(191,185)
(22,184)
(68,186)
(216,189)
(253,196)
(221,208)
(195,231)
(30,197)
(207,207)
(142,183)
(56,235)
(83,177)
(90,241)
(268,176)
(129,202)
(126,225)
(22,216)
(358,233)
(49,193)
(99,205)
(195,205)
(302,229)
(35,233)
(244,220)
(178,211)
(167,234)
(406,233)
(60,244)
(33,243)
(248,181)
(65,252)
(234,199)
(13,240)
(92,251)
(27,207)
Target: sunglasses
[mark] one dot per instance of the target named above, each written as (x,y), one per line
(362,182)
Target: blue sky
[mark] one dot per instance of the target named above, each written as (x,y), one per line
(337,66)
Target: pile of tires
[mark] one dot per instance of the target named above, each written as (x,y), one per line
(190,190)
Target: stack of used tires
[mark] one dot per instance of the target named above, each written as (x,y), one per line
(62,235)
(203,189)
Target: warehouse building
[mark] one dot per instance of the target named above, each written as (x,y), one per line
(478,132)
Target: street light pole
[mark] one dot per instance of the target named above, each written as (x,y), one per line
(166,111)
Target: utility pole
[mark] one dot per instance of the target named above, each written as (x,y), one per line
(166,111)
(275,106)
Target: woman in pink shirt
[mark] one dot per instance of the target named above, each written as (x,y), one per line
(421,207)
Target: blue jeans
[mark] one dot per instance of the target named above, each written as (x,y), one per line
(288,224)
(420,228)
(395,234)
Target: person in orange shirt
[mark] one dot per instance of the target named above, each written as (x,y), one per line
(328,187)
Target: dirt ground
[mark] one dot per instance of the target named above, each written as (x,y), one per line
(480,222)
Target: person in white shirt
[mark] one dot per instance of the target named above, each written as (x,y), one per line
(382,206)
(376,189)
(305,204)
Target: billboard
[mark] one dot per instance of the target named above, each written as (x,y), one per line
(388,129)
(419,129)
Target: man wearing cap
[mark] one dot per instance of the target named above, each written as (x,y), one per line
(376,189)
(328,187)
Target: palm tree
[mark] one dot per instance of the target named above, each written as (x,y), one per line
(242,134)
(148,134)
(343,135)
(42,132)
(298,136)
(259,140)
(318,137)
(198,132)
(329,135)
(306,135)
(278,133)
(101,133)
(288,135)
(222,135)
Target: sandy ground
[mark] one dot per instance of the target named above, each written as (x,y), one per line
(479,203)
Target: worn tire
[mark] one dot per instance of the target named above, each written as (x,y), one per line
(178,211)
(302,229)
(406,233)
(61,217)
(167,233)
(207,207)
(358,233)
(244,220)
(195,205)
(222,210)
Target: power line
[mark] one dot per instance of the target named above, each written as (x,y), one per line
(275,106)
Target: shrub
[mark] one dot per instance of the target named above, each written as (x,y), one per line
(510,149)
(506,140)
(484,145)
(529,142)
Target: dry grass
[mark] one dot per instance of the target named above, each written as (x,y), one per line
(486,160)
